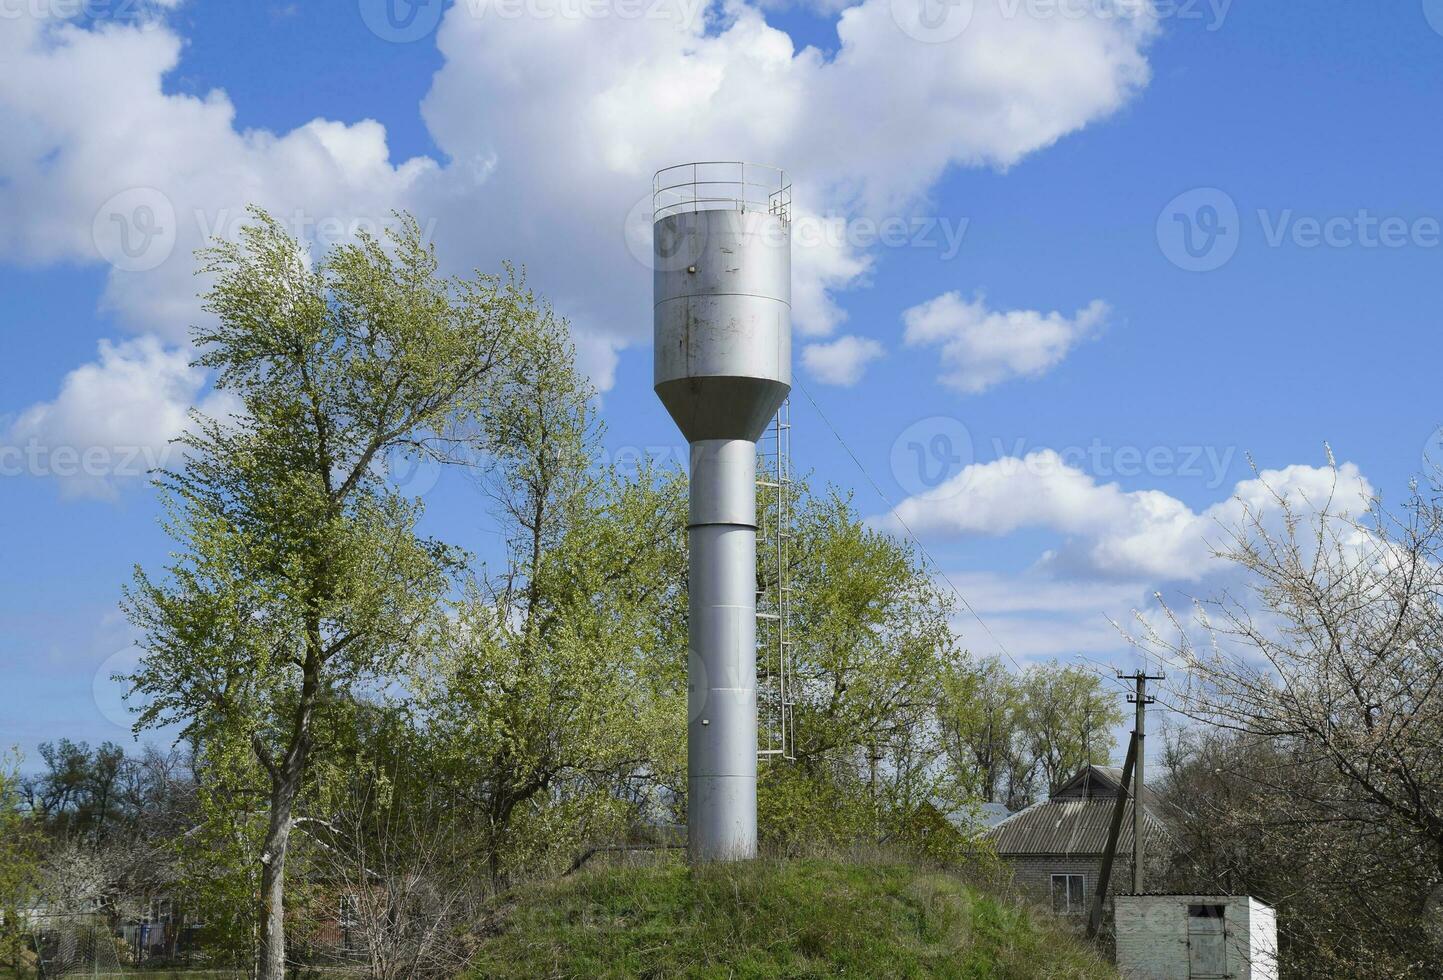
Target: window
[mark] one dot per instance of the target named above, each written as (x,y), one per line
(1068,896)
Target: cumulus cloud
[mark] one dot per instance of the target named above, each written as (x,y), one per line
(843,361)
(112,419)
(1145,535)
(865,132)
(100,164)
(981,347)
(551,127)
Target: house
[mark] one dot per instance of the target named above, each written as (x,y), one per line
(1055,847)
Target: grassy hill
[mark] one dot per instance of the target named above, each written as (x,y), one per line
(810,918)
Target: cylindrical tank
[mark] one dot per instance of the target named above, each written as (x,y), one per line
(722,248)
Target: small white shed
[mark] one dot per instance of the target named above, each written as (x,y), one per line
(1195,937)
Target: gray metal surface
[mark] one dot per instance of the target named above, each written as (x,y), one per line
(722,322)
(723,339)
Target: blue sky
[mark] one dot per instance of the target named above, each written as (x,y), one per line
(1188,233)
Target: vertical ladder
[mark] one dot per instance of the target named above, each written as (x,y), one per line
(775,704)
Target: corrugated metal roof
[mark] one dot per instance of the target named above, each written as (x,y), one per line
(981,816)
(1073,823)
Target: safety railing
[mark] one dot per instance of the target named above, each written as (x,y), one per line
(721,185)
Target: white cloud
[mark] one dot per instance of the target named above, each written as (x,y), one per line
(1105,530)
(866,132)
(843,361)
(1035,616)
(98,163)
(820,269)
(994,594)
(552,126)
(1119,552)
(112,420)
(981,348)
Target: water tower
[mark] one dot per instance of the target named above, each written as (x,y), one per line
(723,292)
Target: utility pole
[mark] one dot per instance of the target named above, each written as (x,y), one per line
(1142,700)
(1131,776)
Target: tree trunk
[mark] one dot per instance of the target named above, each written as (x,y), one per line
(272,962)
(285,787)
(287,775)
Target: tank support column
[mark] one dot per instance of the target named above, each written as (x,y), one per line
(722,696)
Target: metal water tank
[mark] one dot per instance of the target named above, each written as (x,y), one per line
(723,343)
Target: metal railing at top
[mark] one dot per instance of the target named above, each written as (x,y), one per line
(721,185)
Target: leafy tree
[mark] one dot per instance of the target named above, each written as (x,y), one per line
(19,867)
(74,795)
(301,578)
(84,795)
(1068,721)
(982,716)
(871,643)
(216,874)
(561,698)
(1005,731)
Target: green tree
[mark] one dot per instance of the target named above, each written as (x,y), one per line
(19,867)
(74,794)
(1068,720)
(301,577)
(982,716)
(561,697)
(871,643)
(1005,731)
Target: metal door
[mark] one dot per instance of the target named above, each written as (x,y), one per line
(1207,942)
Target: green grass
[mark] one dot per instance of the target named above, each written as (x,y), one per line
(809,918)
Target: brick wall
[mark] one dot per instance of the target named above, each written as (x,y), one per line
(1033,874)
(1151,933)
